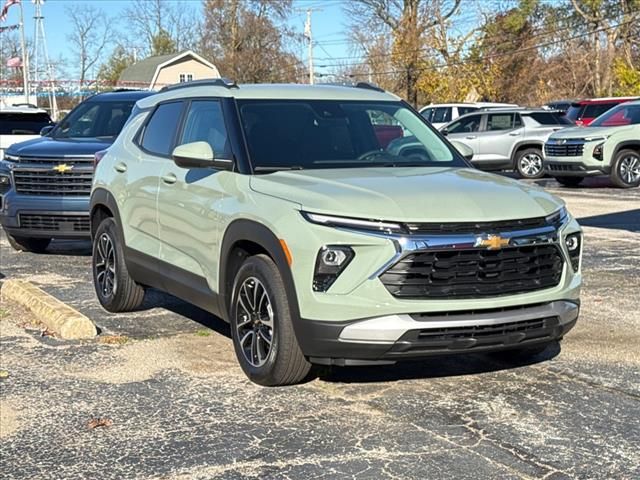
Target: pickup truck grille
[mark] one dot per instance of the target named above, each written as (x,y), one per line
(37,175)
(474,273)
(564,150)
(55,223)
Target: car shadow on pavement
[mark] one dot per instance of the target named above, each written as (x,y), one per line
(627,220)
(434,367)
(74,248)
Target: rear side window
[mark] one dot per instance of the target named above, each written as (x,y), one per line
(593,111)
(427,113)
(23,123)
(575,112)
(205,123)
(550,118)
(161,129)
(501,121)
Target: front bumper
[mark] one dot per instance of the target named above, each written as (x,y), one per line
(390,338)
(566,168)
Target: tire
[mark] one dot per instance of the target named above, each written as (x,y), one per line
(625,171)
(529,163)
(116,290)
(259,314)
(569,181)
(25,244)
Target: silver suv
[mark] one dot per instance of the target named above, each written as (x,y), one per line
(507,139)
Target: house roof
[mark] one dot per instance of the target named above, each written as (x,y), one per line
(146,71)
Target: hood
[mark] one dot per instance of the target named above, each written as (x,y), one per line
(582,132)
(57,147)
(409,194)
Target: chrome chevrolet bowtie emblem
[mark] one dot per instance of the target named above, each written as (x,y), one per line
(492,242)
(62,168)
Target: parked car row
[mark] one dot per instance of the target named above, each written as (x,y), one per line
(328,225)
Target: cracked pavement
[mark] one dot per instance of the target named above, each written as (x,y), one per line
(182,409)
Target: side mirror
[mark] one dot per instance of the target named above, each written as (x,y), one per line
(46,130)
(444,131)
(198,155)
(465,150)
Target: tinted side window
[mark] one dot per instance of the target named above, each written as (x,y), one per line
(466,125)
(427,113)
(549,118)
(593,111)
(441,115)
(205,123)
(161,128)
(23,123)
(465,110)
(500,121)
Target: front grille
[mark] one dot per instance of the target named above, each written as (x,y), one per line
(564,167)
(55,223)
(479,227)
(52,161)
(474,273)
(564,150)
(49,182)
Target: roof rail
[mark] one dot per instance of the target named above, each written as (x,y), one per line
(210,82)
(369,86)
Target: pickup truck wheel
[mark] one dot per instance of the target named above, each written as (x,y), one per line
(569,181)
(626,169)
(529,163)
(25,244)
(262,327)
(116,290)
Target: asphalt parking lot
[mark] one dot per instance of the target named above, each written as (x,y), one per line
(178,406)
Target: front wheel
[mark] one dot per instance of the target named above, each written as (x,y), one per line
(25,244)
(529,163)
(262,326)
(626,169)
(116,290)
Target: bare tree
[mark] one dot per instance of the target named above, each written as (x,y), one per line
(89,36)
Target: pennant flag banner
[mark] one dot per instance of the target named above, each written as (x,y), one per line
(9,28)
(14,62)
(5,9)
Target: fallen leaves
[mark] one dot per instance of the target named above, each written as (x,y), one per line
(4,374)
(113,339)
(99,422)
(45,332)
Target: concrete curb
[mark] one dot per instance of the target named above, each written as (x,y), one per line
(58,317)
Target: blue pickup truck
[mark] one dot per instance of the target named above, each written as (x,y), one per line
(45,183)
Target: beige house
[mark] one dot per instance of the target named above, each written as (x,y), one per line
(162,70)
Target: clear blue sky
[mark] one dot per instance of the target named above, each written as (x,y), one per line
(329,25)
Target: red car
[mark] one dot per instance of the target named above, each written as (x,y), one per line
(584,112)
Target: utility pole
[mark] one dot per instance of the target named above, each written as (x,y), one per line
(309,35)
(41,50)
(25,57)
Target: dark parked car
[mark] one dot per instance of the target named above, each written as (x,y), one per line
(45,182)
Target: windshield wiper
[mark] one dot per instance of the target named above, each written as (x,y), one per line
(275,168)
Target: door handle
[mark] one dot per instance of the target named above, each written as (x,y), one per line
(514,134)
(471,137)
(169,179)
(120,167)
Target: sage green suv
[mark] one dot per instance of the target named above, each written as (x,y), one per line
(610,145)
(328,225)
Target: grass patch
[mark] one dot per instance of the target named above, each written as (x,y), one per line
(203,333)
(3,313)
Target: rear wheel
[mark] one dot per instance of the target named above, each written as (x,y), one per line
(569,181)
(625,172)
(25,244)
(116,290)
(262,326)
(529,163)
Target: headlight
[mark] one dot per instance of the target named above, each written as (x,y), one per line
(5,183)
(330,263)
(573,243)
(558,218)
(596,139)
(356,223)
(10,158)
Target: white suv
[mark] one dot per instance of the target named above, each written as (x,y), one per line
(18,124)
(441,114)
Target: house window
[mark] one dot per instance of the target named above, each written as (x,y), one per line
(186,77)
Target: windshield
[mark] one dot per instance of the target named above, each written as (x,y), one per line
(308,134)
(102,120)
(15,123)
(621,115)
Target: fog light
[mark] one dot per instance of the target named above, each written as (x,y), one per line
(5,183)
(573,243)
(597,151)
(330,263)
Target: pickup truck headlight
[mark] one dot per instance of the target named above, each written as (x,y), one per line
(10,158)
(573,243)
(330,263)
